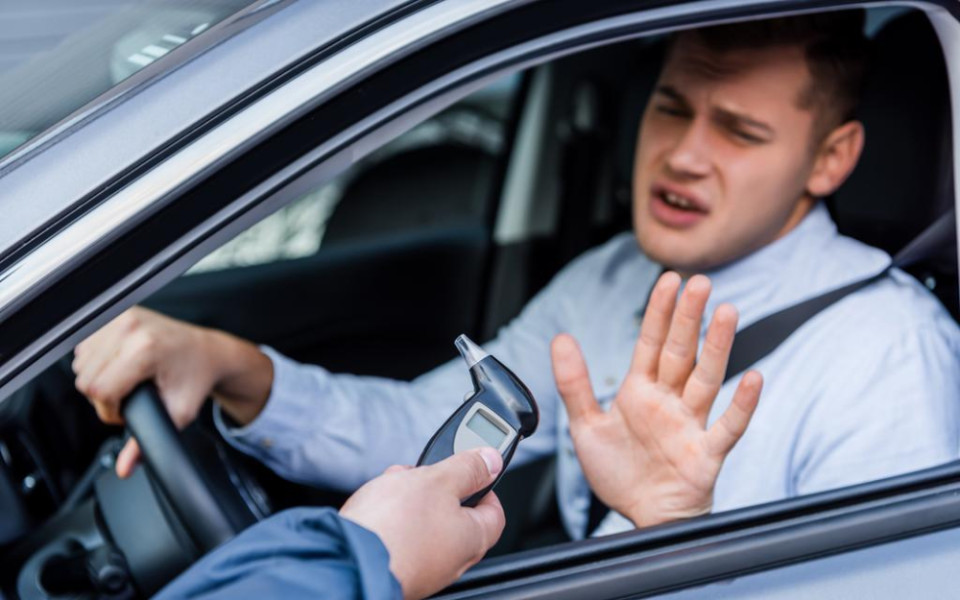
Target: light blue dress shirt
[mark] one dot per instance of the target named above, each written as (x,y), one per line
(867,389)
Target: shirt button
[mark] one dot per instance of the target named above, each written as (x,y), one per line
(610,381)
(266,443)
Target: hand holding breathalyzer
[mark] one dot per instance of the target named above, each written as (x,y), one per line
(418,516)
(439,519)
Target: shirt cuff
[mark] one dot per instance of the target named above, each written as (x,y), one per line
(282,415)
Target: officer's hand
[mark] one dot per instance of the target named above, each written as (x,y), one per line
(185,361)
(651,457)
(416,512)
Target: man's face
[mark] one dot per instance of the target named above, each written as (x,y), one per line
(723,155)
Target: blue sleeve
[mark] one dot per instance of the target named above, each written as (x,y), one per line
(299,553)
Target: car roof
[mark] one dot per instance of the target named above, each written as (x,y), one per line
(78,158)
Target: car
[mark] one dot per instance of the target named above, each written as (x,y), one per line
(355,184)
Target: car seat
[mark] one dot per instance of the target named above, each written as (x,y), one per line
(439,186)
(904,179)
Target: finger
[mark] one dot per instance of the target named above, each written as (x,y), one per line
(79,357)
(729,428)
(572,378)
(97,351)
(468,472)
(656,324)
(708,375)
(128,458)
(680,349)
(118,378)
(489,516)
(108,413)
(95,359)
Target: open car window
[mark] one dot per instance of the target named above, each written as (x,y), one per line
(442,174)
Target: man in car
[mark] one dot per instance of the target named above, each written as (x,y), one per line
(749,126)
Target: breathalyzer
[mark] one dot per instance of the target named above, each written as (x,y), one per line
(499,413)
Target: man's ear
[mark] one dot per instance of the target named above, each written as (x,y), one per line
(837,156)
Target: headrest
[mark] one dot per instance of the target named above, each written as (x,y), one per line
(904,179)
(412,191)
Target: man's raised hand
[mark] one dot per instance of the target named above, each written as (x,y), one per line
(651,457)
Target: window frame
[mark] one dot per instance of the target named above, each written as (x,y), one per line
(107,147)
(716,547)
(221,30)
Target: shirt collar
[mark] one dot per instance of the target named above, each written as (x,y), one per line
(790,269)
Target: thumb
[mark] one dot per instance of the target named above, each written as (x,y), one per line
(573,380)
(127,458)
(466,473)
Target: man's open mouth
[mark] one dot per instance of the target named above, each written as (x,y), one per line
(673,208)
(678,201)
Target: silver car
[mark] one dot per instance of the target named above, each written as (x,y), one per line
(356,183)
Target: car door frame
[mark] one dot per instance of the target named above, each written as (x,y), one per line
(199,208)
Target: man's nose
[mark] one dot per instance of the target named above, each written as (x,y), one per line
(689,158)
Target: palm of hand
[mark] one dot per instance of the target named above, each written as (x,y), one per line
(651,457)
(663,466)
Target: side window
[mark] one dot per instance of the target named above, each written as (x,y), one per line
(439,175)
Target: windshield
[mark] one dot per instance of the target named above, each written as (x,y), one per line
(57,58)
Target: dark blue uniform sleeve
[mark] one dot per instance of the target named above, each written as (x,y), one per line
(299,553)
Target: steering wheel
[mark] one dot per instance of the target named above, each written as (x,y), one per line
(171,468)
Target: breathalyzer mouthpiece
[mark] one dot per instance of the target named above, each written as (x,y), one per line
(471,352)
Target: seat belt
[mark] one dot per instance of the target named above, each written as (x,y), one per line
(759,339)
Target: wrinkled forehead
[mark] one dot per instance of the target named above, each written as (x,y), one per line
(777,73)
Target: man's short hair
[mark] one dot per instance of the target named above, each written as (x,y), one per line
(836,50)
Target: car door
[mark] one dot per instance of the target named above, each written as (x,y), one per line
(826,544)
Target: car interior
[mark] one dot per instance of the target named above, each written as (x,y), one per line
(406,256)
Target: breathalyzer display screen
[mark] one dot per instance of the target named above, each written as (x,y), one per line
(483,427)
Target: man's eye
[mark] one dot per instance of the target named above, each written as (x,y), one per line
(673,111)
(747,137)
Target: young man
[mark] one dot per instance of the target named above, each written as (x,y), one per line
(750,124)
